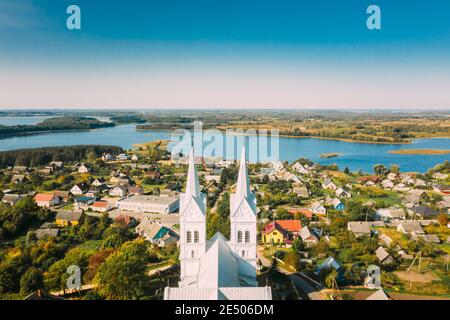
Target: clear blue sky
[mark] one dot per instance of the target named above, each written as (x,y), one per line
(218,53)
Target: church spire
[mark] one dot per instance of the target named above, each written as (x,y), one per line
(192,185)
(242,186)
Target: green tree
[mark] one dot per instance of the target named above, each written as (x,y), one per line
(56,277)
(31,281)
(124,274)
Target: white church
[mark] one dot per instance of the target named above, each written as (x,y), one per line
(217,269)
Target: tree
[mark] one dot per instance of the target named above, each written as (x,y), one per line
(395,169)
(274,269)
(442,219)
(380,169)
(123,275)
(56,277)
(347,170)
(31,281)
(358,212)
(330,279)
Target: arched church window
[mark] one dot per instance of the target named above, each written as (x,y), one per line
(188,237)
(247,236)
(196,237)
(192,253)
(239,236)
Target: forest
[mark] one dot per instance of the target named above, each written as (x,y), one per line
(55,124)
(42,156)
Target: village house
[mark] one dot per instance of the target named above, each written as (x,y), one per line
(46,200)
(151,204)
(119,191)
(122,157)
(420,183)
(62,195)
(445,203)
(379,295)
(134,158)
(301,191)
(328,184)
(387,184)
(442,189)
(298,167)
(309,236)
(416,196)
(56,165)
(125,220)
(401,187)
(20,169)
(426,237)
(440,176)
(93,193)
(410,228)
(11,199)
(98,182)
(47,230)
(281,231)
(68,218)
(331,263)
(383,256)
(83,169)
(423,212)
(156,233)
(390,214)
(392,176)
(19,178)
(135,191)
(342,193)
(318,208)
(298,212)
(101,206)
(337,204)
(79,189)
(83,202)
(359,228)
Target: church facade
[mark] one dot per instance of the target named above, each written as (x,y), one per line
(218,269)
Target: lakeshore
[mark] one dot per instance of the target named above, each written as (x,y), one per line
(420,151)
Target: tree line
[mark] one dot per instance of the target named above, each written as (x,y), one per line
(42,156)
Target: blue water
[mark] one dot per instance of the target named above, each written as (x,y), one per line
(357,156)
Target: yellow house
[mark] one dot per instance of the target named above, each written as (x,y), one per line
(281,231)
(272,237)
(68,218)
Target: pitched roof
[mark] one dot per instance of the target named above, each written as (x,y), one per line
(381,254)
(424,211)
(379,295)
(100,204)
(69,215)
(359,227)
(44,197)
(289,225)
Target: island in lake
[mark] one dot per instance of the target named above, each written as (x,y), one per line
(329,155)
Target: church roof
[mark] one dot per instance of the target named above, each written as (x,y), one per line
(192,185)
(219,266)
(228,293)
(242,186)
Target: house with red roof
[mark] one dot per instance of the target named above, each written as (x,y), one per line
(281,231)
(46,200)
(101,206)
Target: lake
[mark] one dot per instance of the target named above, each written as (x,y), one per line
(357,156)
